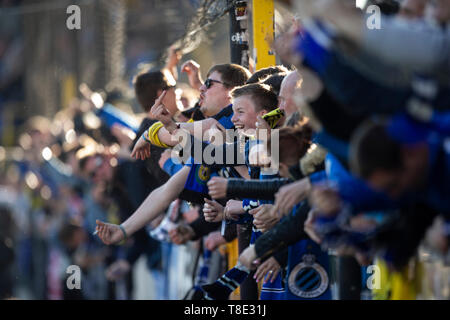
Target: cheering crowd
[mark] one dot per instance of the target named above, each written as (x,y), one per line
(343,150)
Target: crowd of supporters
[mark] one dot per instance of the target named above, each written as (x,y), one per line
(342,151)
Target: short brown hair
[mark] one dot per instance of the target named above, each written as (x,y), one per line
(146,86)
(372,149)
(262,96)
(265,73)
(233,75)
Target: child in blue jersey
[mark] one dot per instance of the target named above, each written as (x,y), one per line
(274,289)
(307,275)
(249,102)
(293,145)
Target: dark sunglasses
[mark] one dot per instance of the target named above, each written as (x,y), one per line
(209,83)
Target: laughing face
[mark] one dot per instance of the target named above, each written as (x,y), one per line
(245,114)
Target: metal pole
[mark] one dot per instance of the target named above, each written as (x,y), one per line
(346,277)
(238,34)
(239,55)
(263,13)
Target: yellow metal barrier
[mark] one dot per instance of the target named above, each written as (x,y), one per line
(233,255)
(401,285)
(263,33)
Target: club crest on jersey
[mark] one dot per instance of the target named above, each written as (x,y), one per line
(308,279)
(203,174)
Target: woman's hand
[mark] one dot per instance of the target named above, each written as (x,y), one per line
(269,270)
(109,233)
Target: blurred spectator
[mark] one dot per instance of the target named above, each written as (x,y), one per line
(7,255)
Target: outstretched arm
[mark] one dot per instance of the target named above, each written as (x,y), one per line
(153,205)
(156,202)
(173,58)
(196,129)
(192,70)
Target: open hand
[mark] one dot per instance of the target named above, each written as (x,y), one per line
(109,233)
(141,149)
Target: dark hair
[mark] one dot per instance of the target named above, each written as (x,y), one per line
(66,233)
(274,81)
(262,96)
(293,144)
(335,117)
(263,73)
(146,86)
(388,7)
(233,75)
(373,149)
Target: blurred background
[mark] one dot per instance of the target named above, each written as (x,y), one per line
(61,166)
(43,62)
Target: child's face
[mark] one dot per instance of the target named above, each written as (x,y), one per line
(244,113)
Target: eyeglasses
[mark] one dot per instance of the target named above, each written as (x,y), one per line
(209,83)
